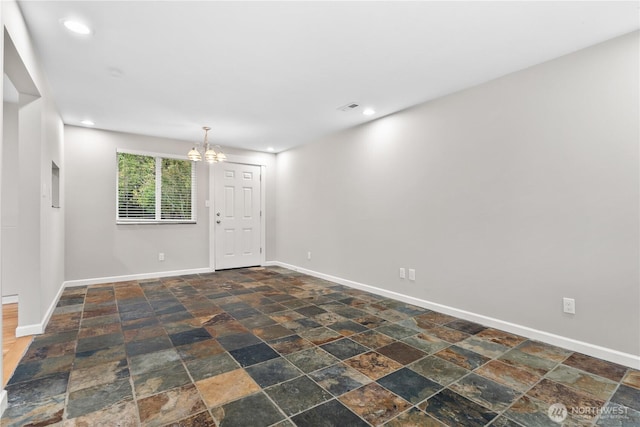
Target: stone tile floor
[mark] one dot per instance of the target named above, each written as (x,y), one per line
(272,347)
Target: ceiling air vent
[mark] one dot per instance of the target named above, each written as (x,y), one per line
(348,107)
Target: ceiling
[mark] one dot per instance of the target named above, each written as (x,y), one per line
(273,74)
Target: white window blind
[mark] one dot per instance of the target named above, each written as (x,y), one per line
(155,189)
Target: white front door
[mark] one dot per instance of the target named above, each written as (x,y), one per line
(237,201)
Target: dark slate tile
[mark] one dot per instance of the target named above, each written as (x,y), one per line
(534,364)
(175,317)
(374,403)
(37,390)
(253,354)
(134,306)
(273,371)
(93,399)
(627,396)
(397,331)
(344,348)
(347,327)
(401,352)
(290,344)
(153,361)
(272,332)
(149,345)
(503,421)
(530,412)
(90,358)
(409,385)
(297,395)
(211,366)
(137,314)
(470,328)
(462,357)
(203,419)
(350,312)
(329,414)
(303,324)
(236,341)
(70,301)
(257,321)
(411,310)
(551,392)
(234,306)
(45,413)
(453,409)
(485,392)
(609,370)
(157,381)
(255,410)
(99,342)
(311,359)
(190,336)
(614,415)
(56,338)
(174,307)
(140,323)
(414,417)
(311,310)
(243,313)
(42,368)
(339,379)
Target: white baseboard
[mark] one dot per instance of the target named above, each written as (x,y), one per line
(600,352)
(34,329)
(3,401)
(141,276)
(9,299)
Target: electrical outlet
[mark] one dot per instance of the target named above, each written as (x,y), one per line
(403,274)
(309,255)
(569,305)
(161,256)
(412,274)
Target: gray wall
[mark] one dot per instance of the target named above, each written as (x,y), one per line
(96,246)
(504,197)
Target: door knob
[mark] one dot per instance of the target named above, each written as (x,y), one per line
(218,222)
(217,213)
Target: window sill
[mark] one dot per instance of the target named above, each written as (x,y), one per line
(120,222)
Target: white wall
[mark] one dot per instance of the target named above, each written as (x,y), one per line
(10,192)
(504,197)
(41,246)
(96,246)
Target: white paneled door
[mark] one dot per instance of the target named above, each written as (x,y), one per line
(237,215)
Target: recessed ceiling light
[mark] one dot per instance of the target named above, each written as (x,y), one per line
(270,149)
(87,123)
(76,27)
(368,112)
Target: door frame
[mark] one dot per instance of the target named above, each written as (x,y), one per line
(244,160)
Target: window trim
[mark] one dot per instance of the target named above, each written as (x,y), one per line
(158,189)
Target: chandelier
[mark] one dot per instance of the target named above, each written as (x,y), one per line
(210,155)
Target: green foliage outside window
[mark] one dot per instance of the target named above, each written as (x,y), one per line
(137,198)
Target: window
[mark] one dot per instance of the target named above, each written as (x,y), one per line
(155,188)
